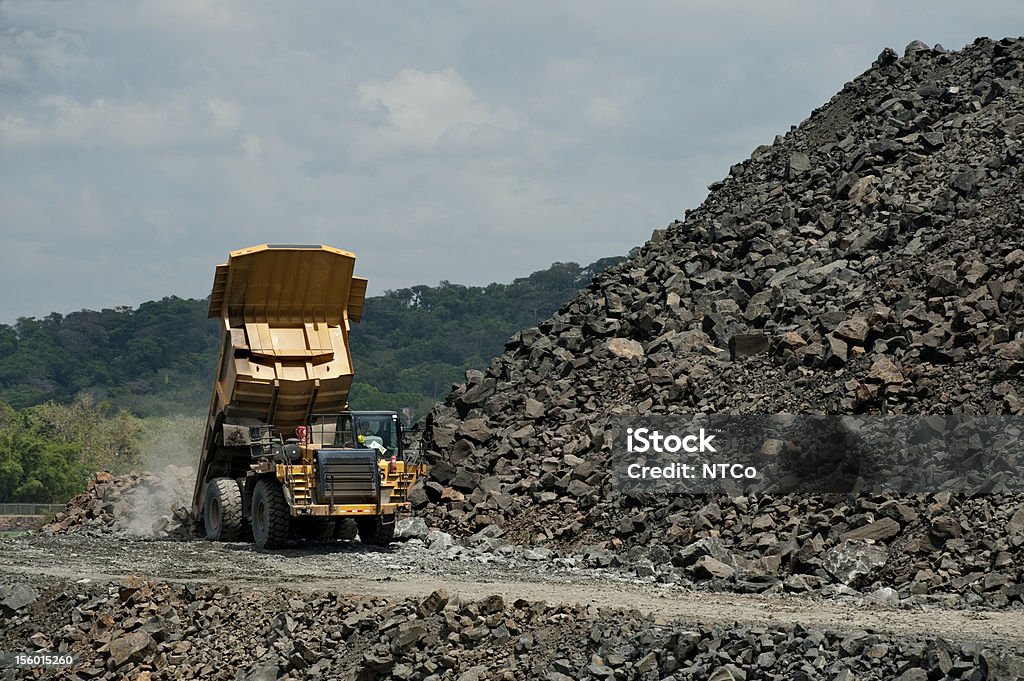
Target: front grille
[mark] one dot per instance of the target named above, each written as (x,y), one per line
(347,477)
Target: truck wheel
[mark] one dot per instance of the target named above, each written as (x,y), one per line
(345,528)
(222,510)
(271,522)
(378,530)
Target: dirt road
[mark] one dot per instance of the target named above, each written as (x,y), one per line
(408,570)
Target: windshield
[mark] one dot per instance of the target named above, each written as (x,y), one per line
(380,429)
(357,431)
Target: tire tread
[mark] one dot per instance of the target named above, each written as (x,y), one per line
(230,499)
(278,518)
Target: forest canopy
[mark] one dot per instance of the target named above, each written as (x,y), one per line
(159,358)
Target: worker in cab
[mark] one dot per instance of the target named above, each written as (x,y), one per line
(367,438)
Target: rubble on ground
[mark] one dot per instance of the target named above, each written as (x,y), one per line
(21,523)
(142,504)
(154,630)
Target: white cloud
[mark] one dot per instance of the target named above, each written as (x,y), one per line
(579,91)
(12,69)
(196,15)
(251,146)
(63,121)
(49,54)
(604,112)
(226,115)
(415,110)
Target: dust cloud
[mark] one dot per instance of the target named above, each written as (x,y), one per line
(160,503)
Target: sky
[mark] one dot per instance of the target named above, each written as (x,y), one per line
(464,141)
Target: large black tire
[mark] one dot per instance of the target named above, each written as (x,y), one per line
(271,523)
(377,531)
(222,510)
(346,528)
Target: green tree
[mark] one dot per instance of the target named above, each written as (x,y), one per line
(36,470)
(159,359)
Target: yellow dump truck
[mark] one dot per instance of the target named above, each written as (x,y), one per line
(283,456)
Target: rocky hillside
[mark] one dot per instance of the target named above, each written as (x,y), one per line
(868,261)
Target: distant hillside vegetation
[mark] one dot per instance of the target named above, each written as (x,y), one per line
(159,358)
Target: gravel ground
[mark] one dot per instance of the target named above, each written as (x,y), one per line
(413,570)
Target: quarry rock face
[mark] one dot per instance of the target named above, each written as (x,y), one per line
(866,262)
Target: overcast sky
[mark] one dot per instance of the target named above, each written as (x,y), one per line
(468,141)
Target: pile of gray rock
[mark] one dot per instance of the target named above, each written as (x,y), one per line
(141,504)
(888,551)
(866,262)
(152,630)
